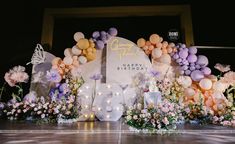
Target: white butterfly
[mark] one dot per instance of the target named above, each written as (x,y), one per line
(38,55)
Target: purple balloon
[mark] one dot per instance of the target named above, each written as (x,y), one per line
(99,44)
(175,56)
(102,33)
(187,72)
(202,60)
(179,60)
(183,54)
(185,62)
(113,31)
(192,58)
(192,64)
(192,50)
(183,45)
(192,68)
(206,71)
(184,67)
(95,34)
(197,66)
(197,75)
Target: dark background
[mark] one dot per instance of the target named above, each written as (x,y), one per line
(21,26)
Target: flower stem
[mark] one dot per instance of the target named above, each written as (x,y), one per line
(2,89)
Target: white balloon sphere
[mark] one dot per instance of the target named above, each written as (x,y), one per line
(165,58)
(82,59)
(76,50)
(78,35)
(156,53)
(68,60)
(205,84)
(68,52)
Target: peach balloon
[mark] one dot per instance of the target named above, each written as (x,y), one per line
(164,51)
(189,92)
(164,44)
(219,86)
(83,43)
(151,47)
(171,45)
(147,52)
(141,42)
(145,47)
(154,38)
(68,60)
(169,50)
(148,43)
(55,61)
(159,45)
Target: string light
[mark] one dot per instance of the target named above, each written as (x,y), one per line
(99,109)
(86,115)
(99,93)
(108,86)
(86,106)
(87,87)
(87,96)
(117,93)
(118,108)
(108,101)
(108,116)
(80,90)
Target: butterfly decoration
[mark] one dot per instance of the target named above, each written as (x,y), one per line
(38,56)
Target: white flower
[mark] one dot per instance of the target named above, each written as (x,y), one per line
(42,115)
(39,112)
(135,117)
(19,111)
(128,118)
(24,110)
(35,109)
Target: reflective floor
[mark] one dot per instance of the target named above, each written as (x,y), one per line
(110,133)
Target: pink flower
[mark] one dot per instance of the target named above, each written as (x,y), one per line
(222,68)
(228,78)
(9,80)
(165,109)
(215,118)
(165,121)
(16,75)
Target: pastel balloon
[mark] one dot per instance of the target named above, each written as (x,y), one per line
(113,31)
(56,60)
(205,84)
(183,54)
(171,44)
(206,71)
(68,60)
(164,44)
(169,49)
(165,58)
(197,75)
(154,38)
(159,45)
(68,52)
(156,53)
(192,50)
(189,92)
(187,72)
(141,42)
(96,34)
(99,44)
(78,35)
(82,59)
(83,43)
(148,43)
(202,60)
(76,50)
(218,95)
(192,58)
(151,47)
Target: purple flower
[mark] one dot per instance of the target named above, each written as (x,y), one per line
(31,97)
(154,73)
(53,76)
(96,77)
(64,88)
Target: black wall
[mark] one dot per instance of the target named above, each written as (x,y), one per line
(21,24)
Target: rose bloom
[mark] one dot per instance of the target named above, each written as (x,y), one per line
(165,121)
(135,117)
(222,68)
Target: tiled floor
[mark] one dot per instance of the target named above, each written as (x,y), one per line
(108,132)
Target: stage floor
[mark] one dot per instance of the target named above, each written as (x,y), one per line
(108,132)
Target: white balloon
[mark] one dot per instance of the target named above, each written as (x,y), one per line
(78,35)
(68,52)
(76,50)
(157,53)
(165,58)
(205,84)
(68,60)
(82,59)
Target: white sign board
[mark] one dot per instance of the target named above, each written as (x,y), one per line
(124,60)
